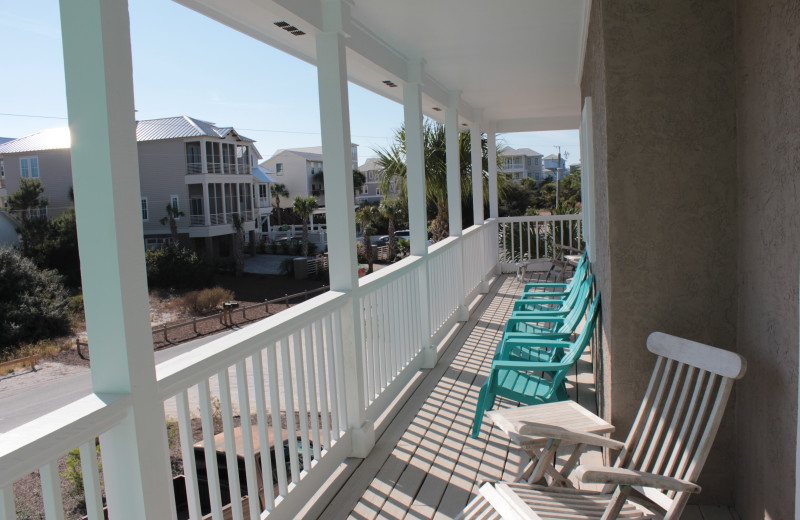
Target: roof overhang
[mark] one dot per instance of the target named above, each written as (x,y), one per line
(517,64)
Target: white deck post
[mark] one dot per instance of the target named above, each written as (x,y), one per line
(206,205)
(336,155)
(417,207)
(99,85)
(491,146)
(454,191)
(477,173)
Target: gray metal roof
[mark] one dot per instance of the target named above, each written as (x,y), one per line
(262,174)
(6,139)
(519,151)
(148,130)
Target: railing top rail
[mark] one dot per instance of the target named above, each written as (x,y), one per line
(178,373)
(389,274)
(50,436)
(472,230)
(442,245)
(541,218)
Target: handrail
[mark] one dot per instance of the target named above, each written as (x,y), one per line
(389,274)
(48,437)
(442,245)
(542,218)
(176,374)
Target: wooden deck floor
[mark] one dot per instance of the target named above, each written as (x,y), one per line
(425,465)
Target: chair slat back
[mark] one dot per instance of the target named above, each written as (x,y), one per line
(680,414)
(579,309)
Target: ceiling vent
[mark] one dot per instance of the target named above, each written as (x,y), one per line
(286,26)
(437,109)
(389,83)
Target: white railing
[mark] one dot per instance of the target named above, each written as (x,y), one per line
(390,324)
(287,375)
(535,237)
(197,220)
(444,259)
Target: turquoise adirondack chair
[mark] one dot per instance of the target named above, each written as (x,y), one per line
(544,287)
(534,306)
(534,382)
(536,290)
(525,329)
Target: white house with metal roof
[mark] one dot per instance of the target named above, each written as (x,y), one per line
(522,163)
(299,169)
(203,170)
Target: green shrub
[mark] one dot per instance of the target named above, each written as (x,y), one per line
(402,247)
(33,302)
(176,267)
(74,474)
(76,306)
(206,300)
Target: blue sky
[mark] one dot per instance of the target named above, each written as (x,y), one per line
(186,64)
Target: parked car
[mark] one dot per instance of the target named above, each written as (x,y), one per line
(382,240)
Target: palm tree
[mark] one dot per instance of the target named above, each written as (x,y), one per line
(278,190)
(392,210)
(304,207)
(173,213)
(359,179)
(393,163)
(366,216)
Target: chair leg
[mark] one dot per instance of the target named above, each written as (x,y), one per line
(485,402)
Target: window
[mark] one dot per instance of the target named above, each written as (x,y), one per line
(279,168)
(194,163)
(262,191)
(243,159)
(228,165)
(529,161)
(196,208)
(29,167)
(176,207)
(145,212)
(2,170)
(213,158)
(537,161)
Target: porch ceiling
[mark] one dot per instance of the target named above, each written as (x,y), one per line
(516,63)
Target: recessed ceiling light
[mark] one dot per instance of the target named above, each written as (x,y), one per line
(282,24)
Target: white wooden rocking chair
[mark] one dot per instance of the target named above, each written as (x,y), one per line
(661,459)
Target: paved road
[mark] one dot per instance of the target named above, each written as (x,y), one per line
(22,401)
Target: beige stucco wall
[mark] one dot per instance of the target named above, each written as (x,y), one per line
(665,164)
(55,173)
(768,124)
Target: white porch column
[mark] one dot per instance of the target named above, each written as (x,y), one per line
(203,158)
(417,207)
(477,173)
(99,85)
(491,145)
(454,192)
(453,165)
(224,203)
(338,181)
(206,205)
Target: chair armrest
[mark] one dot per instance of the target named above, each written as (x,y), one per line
(529,286)
(629,477)
(530,366)
(539,315)
(549,431)
(547,294)
(537,336)
(535,301)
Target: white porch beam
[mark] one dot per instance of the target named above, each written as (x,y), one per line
(491,145)
(338,182)
(453,165)
(99,86)
(538,124)
(477,173)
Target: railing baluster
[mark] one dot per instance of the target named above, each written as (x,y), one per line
(302,402)
(231,459)
(311,382)
(242,387)
(187,451)
(369,350)
(319,355)
(91,481)
(275,415)
(288,403)
(337,356)
(51,491)
(263,429)
(210,452)
(378,304)
(330,365)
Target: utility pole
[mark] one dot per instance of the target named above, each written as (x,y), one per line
(558,166)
